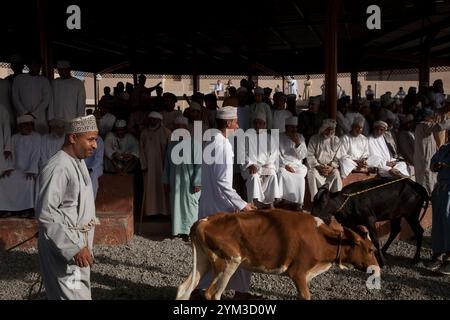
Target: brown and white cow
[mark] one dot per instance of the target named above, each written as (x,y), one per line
(272,241)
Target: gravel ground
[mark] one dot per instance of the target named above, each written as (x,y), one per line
(147,269)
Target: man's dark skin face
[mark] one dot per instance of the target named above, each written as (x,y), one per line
(84,144)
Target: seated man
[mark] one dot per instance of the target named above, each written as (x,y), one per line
(292,171)
(121,150)
(382,154)
(323,159)
(260,167)
(355,150)
(17,184)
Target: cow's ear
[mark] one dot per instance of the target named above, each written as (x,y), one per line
(362,231)
(352,236)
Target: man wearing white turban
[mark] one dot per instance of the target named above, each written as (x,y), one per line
(324,152)
(382,154)
(261,164)
(65,212)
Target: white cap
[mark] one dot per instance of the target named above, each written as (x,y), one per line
(195,106)
(62,64)
(181,120)
(291,121)
(227,113)
(82,124)
(25,118)
(155,115)
(120,123)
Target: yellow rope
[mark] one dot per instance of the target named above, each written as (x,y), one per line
(349,195)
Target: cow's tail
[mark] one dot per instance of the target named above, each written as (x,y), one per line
(185,289)
(425,197)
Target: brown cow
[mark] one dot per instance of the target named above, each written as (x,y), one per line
(272,241)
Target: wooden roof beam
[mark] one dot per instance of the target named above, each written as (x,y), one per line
(308,22)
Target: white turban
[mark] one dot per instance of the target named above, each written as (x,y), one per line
(380,124)
(82,124)
(291,121)
(25,118)
(195,106)
(327,123)
(120,123)
(227,113)
(63,64)
(155,115)
(181,120)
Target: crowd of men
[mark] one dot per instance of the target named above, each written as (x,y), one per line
(393,136)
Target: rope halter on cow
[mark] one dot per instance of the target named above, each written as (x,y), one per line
(349,195)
